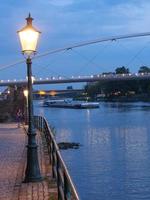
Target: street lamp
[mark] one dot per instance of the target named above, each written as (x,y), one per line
(28,36)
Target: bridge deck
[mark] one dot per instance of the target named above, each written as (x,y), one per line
(92,78)
(12,166)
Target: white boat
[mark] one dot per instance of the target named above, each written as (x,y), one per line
(89,105)
(57,103)
(68,103)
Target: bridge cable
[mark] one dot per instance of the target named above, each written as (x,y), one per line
(3,67)
(91,60)
(47,66)
(54,72)
(136,55)
(81,44)
(129,50)
(90,42)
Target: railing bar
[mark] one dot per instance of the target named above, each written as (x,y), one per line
(55,172)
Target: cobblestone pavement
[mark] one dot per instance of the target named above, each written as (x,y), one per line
(12,166)
(12,143)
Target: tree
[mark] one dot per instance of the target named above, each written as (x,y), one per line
(122,70)
(144,69)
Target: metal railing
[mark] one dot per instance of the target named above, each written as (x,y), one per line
(65,186)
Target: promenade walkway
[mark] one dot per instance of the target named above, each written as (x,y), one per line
(12,166)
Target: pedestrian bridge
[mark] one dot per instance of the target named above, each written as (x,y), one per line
(73,79)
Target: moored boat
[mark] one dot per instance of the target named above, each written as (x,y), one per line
(68,103)
(89,105)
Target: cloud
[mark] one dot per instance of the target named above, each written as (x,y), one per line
(129,17)
(64,22)
(61,2)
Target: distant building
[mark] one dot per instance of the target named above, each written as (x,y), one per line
(69,87)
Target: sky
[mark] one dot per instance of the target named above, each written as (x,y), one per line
(66,22)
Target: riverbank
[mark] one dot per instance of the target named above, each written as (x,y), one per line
(135,98)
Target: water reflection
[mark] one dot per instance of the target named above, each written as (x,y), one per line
(114,160)
(125,107)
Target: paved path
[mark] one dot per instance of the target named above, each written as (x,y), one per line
(12,143)
(12,166)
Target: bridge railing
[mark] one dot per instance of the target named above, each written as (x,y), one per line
(65,186)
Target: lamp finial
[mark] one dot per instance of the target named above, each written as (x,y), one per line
(29,19)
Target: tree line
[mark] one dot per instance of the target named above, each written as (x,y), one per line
(122,87)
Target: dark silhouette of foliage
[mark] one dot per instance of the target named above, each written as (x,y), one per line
(122,70)
(144,69)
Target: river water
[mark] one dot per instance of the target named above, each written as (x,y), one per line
(113,162)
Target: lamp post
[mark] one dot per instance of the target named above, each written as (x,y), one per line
(28,36)
(25,92)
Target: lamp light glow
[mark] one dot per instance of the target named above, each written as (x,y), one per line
(42,92)
(29,36)
(25,92)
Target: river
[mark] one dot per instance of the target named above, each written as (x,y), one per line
(113,162)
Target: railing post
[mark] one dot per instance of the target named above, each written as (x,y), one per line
(41,123)
(66,188)
(50,151)
(59,184)
(35,121)
(53,160)
(44,130)
(38,122)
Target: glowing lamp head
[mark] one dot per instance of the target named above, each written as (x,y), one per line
(29,36)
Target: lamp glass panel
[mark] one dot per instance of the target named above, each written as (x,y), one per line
(28,39)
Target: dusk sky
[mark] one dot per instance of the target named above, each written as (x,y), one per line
(66,22)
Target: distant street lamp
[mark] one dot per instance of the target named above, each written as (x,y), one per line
(25,92)
(29,36)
